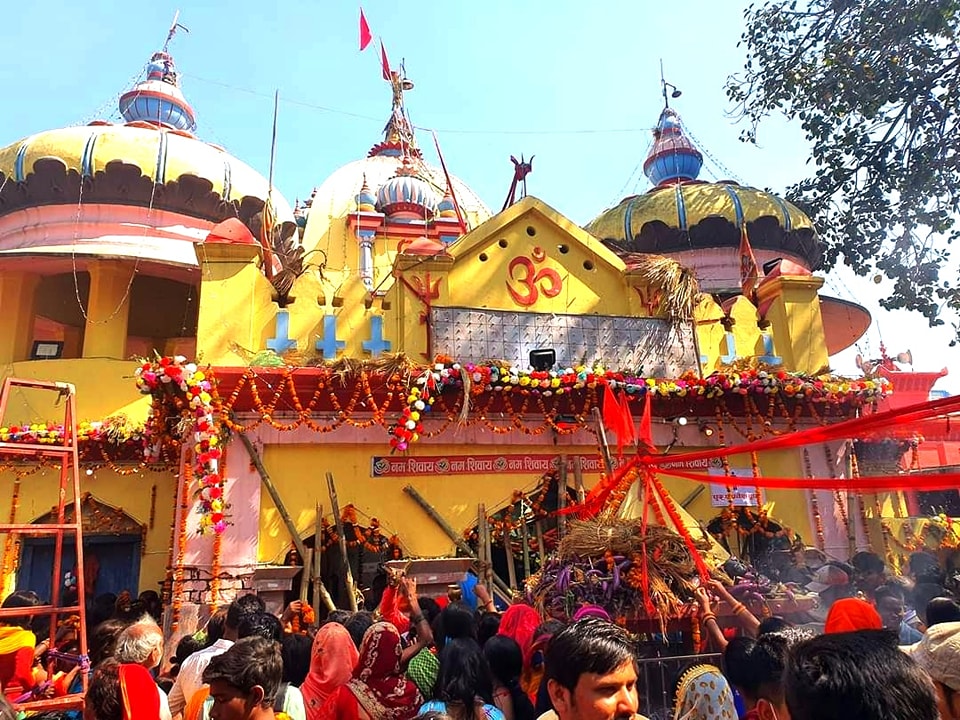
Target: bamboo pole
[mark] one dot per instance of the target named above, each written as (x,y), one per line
(525,539)
(578,479)
(562,499)
(484,555)
(319,589)
(541,548)
(305,576)
(604,445)
(351,587)
(508,551)
(450,532)
(278,502)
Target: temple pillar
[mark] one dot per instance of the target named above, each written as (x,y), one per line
(792,306)
(17,298)
(108,309)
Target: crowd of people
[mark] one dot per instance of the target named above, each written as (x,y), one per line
(870,652)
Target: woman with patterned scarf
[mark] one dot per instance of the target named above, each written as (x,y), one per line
(704,694)
(379,690)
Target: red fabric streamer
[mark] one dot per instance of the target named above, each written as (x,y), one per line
(365,35)
(856,428)
(626,420)
(876,483)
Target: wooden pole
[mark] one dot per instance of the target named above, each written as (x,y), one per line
(319,589)
(604,445)
(508,551)
(525,539)
(484,557)
(305,576)
(450,532)
(278,502)
(578,479)
(541,548)
(351,587)
(562,498)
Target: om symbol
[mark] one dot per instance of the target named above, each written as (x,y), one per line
(530,281)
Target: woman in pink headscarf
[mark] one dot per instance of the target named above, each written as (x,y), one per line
(520,622)
(332,661)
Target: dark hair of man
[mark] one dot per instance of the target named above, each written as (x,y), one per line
(590,645)
(505,659)
(925,568)
(923,593)
(242,607)
(262,624)
(755,667)
(295,649)
(357,625)
(487,627)
(856,676)
(464,675)
(214,628)
(338,616)
(942,610)
(103,693)
(249,662)
(103,640)
(773,624)
(867,562)
(891,591)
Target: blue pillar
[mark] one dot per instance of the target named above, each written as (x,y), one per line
(376,345)
(769,357)
(282,342)
(731,349)
(328,345)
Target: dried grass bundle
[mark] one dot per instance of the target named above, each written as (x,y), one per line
(676,284)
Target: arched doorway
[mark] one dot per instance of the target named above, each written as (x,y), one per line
(112,546)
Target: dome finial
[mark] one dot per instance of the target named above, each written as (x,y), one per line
(673,158)
(158,100)
(398,137)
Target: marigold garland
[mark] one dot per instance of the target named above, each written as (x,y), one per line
(10,542)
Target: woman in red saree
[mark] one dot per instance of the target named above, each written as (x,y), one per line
(379,690)
(332,661)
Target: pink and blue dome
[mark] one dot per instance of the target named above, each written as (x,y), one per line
(407,196)
(158,99)
(673,158)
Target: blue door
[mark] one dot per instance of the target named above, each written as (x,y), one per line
(112,564)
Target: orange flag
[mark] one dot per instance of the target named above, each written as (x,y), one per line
(646,424)
(613,415)
(749,270)
(629,436)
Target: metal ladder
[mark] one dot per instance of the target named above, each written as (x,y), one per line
(66,454)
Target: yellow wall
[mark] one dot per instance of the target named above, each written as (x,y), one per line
(38,494)
(298,471)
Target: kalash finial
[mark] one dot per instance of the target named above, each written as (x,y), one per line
(158,100)
(398,137)
(673,158)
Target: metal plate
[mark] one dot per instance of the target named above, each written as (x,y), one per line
(650,347)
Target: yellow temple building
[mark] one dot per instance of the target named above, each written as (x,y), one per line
(391,332)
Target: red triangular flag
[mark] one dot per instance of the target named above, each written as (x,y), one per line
(613,415)
(749,270)
(629,437)
(384,63)
(365,35)
(645,435)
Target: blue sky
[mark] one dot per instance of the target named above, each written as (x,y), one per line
(577,84)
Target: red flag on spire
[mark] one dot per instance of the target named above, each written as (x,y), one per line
(646,425)
(384,63)
(365,35)
(749,270)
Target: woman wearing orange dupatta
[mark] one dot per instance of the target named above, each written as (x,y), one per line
(379,690)
(128,685)
(332,661)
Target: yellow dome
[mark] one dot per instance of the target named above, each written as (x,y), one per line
(336,197)
(161,154)
(686,216)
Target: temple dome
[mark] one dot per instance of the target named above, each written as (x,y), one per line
(407,196)
(151,171)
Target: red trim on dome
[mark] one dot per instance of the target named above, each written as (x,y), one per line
(398,148)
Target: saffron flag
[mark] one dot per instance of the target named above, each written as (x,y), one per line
(384,63)
(749,270)
(629,436)
(365,35)
(646,425)
(613,415)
